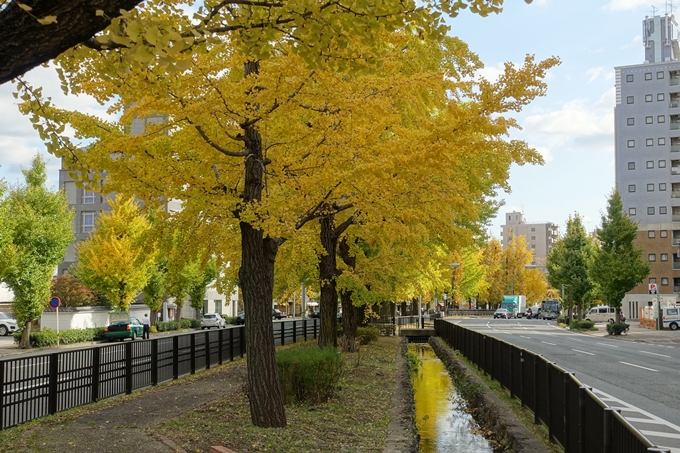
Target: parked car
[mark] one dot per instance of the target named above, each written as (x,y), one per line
(213,320)
(240,319)
(122,326)
(277,314)
(601,313)
(501,313)
(7,324)
(315,314)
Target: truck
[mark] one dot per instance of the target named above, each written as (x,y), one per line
(515,304)
(550,309)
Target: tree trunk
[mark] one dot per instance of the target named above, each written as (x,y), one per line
(349,314)
(25,342)
(328,301)
(256,279)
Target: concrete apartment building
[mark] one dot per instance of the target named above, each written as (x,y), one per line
(540,237)
(647,149)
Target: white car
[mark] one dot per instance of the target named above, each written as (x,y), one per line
(213,320)
(7,324)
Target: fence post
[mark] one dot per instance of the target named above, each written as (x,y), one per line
(315,319)
(567,417)
(607,429)
(95,374)
(295,324)
(175,357)
(207,349)
(154,361)
(304,328)
(582,419)
(128,368)
(548,407)
(283,334)
(521,377)
(512,355)
(537,419)
(192,353)
(231,345)
(220,346)
(2,394)
(54,372)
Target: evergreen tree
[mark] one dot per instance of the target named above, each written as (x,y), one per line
(617,267)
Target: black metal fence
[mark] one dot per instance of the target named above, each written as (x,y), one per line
(40,385)
(576,419)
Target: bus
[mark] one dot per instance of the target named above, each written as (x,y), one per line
(550,309)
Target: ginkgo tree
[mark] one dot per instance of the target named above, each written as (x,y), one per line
(118,257)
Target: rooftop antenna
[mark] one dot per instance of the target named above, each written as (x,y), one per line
(654,10)
(669,7)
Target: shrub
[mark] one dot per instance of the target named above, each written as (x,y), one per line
(368,334)
(616,328)
(228,319)
(309,374)
(561,319)
(153,329)
(185,323)
(385,330)
(164,326)
(47,337)
(413,362)
(582,325)
(195,323)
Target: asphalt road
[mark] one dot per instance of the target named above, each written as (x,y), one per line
(639,378)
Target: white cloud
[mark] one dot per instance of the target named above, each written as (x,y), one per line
(594,73)
(624,5)
(636,43)
(491,73)
(577,126)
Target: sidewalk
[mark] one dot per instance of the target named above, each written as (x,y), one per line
(640,334)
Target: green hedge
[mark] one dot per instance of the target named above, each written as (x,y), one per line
(309,374)
(582,325)
(367,334)
(165,326)
(48,337)
(616,328)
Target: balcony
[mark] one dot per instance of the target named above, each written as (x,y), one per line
(675,148)
(674,82)
(675,194)
(674,104)
(675,126)
(675,218)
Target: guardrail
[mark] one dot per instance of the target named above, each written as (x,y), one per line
(40,385)
(575,417)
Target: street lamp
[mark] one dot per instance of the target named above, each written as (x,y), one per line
(454,266)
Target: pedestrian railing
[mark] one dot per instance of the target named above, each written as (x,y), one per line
(40,385)
(575,417)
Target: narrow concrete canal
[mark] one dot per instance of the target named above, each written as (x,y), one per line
(443,424)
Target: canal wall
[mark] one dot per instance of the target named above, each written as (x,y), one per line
(509,434)
(401,431)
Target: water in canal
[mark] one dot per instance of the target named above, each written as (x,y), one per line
(443,425)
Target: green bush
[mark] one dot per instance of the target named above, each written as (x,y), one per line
(582,325)
(309,374)
(616,328)
(185,323)
(367,335)
(228,319)
(561,319)
(413,362)
(47,337)
(165,326)
(195,323)
(385,330)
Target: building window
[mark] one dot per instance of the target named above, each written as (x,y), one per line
(659,75)
(631,143)
(662,141)
(631,188)
(650,164)
(88,196)
(88,222)
(533,229)
(650,187)
(630,121)
(649,119)
(664,257)
(651,234)
(652,258)
(659,97)
(631,165)
(509,217)
(652,280)
(648,76)
(661,119)
(533,246)
(218,307)
(649,142)
(662,186)
(663,233)
(533,238)
(630,100)
(650,210)
(662,164)
(631,211)
(664,281)
(649,98)
(629,77)
(663,210)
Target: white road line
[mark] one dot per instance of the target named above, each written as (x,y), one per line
(605,344)
(583,352)
(661,434)
(654,353)
(638,366)
(553,344)
(630,408)
(529,338)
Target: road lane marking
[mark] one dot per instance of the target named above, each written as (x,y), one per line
(583,352)
(661,434)
(528,338)
(654,353)
(553,344)
(638,366)
(605,344)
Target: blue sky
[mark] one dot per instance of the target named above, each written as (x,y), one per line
(573,126)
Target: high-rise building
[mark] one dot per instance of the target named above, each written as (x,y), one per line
(540,236)
(647,148)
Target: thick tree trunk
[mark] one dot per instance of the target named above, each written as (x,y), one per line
(349,313)
(328,301)
(25,341)
(256,279)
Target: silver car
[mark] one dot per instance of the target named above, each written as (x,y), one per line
(7,324)
(213,320)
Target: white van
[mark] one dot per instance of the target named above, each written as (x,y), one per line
(601,313)
(671,317)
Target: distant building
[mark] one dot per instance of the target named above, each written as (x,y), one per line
(540,236)
(647,150)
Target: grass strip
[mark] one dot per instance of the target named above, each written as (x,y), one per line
(355,420)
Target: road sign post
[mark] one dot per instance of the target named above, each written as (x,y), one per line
(54,303)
